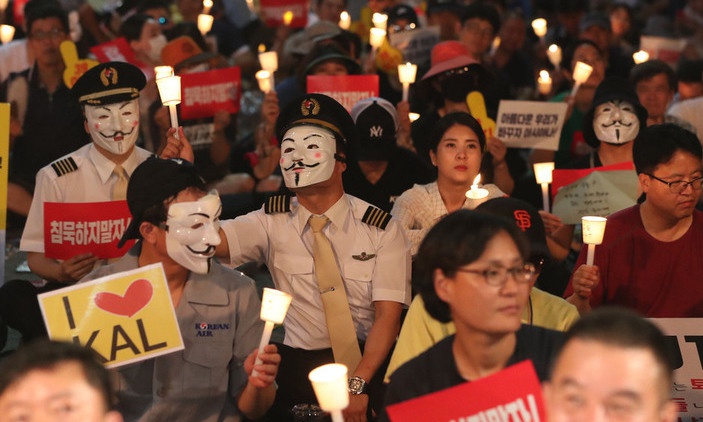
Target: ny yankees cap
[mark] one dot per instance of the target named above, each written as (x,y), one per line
(377,121)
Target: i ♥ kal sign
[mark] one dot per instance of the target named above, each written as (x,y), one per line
(125,317)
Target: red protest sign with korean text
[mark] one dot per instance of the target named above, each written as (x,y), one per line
(96,227)
(116,50)
(512,394)
(347,90)
(204,93)
(273,12)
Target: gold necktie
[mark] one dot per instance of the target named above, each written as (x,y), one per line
(340,326)
(119,191)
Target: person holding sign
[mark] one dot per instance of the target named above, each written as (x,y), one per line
(217,308)
(650,256)
(457,145)
(471,269)
(95,173)
(346,263)
(614,365)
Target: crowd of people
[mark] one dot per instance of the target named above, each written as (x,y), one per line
(362,215)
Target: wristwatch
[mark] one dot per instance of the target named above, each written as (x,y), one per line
(357,385)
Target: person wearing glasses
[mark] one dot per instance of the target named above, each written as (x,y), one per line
(472,269)
(650,256)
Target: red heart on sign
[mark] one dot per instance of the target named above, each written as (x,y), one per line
(136,297)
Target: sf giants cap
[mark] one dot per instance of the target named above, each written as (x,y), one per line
(109,83)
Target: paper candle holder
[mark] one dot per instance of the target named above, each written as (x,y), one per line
(7,32)
(169,90)
(269,61)
(205,23)
(593,229)
(330,385)
(539,25)
(274,305)
(543,172)
(640,56)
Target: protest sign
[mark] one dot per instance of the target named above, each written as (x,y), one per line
(667,50)
(347,90)
(416,45)
(116,50)
(96,227)
(4,159)
(75,67)
(125,317)
(530,124)
(204,93)
(272,12)
(685,339)
(512,394)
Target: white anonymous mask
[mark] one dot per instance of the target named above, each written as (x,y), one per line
(193,232)
(114,127)
(615,122)
(307,155)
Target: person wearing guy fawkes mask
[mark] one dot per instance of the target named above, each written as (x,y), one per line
(98,172)
(217,308)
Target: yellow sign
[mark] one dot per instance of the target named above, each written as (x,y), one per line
(75,68)
(477,107)
(4,158)
(125,317)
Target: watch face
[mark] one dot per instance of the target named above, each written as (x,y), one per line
(356,385)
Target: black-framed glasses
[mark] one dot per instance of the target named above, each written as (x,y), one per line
(498,276)
(53,34)
(679,186)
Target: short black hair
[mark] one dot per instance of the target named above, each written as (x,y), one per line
(39,9)
(483,11)
(569,52)
(650,69)
(132,27)
(45,354)
(456,240)
(656,145)
(451,119)
(621,327)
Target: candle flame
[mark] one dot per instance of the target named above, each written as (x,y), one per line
(544,75)
(287,18)
(477,180)
(262,48)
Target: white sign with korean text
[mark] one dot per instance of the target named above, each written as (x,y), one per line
(530,124)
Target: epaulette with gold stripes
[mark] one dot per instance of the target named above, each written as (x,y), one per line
(64,166)
(376,217)
(277,204)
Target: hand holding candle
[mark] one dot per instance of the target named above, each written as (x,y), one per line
(330,385)
(274,306)
(475,192)
(581,73)
(170,91)
(406,74)
(593,230)
(543,176)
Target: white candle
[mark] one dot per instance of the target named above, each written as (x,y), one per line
(593,230)
(330,385)
(413,116)
(640,56)
(581,73)
(554,55)
(274,306)
(406,74)
(475,192)
(544,82)
(269,61)
(376,37)
(543,176)
(7,32)
(264,79)
(207,5)
(287,17)
(170,92)
(539,25)
(163,71)
(344,20)
(205,23)
(380,20)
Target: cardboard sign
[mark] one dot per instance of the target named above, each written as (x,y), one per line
(272,12)
(125,317)
(685,338)
(667,50)
(600,193)
(513,394)
(416,45)
(4,160)
(347,90)
(530,124)
(477,108)
(74,228)
(561,177)
(204,93)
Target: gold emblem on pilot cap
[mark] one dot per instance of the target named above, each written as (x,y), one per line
(309,106)
(108,76)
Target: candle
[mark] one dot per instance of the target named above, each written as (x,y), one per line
(406,75)
(554,55)
(376,37)
(7,32)
(274,306)
(287,17)
(413,116)
(539,25)
(330,385)
(264,79)
(170,92)
(163,71)
(207,5)
(380,20)
(344,20)
(269,61)
(593,230)
(581,73)
(494,46)
(544,82)
(475,192)
(3,5)
(543,176)
(205,23)
(640,56)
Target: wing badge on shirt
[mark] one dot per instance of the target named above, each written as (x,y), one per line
(364,256)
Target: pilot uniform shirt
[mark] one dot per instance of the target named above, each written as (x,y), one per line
(218,317)
(85,175)
(373,262)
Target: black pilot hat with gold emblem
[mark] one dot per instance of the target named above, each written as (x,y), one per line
(109,83)
(322,111)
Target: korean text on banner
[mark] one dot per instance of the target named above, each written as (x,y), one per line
(204,93)
(530,124)
(347,90)
(125,317)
